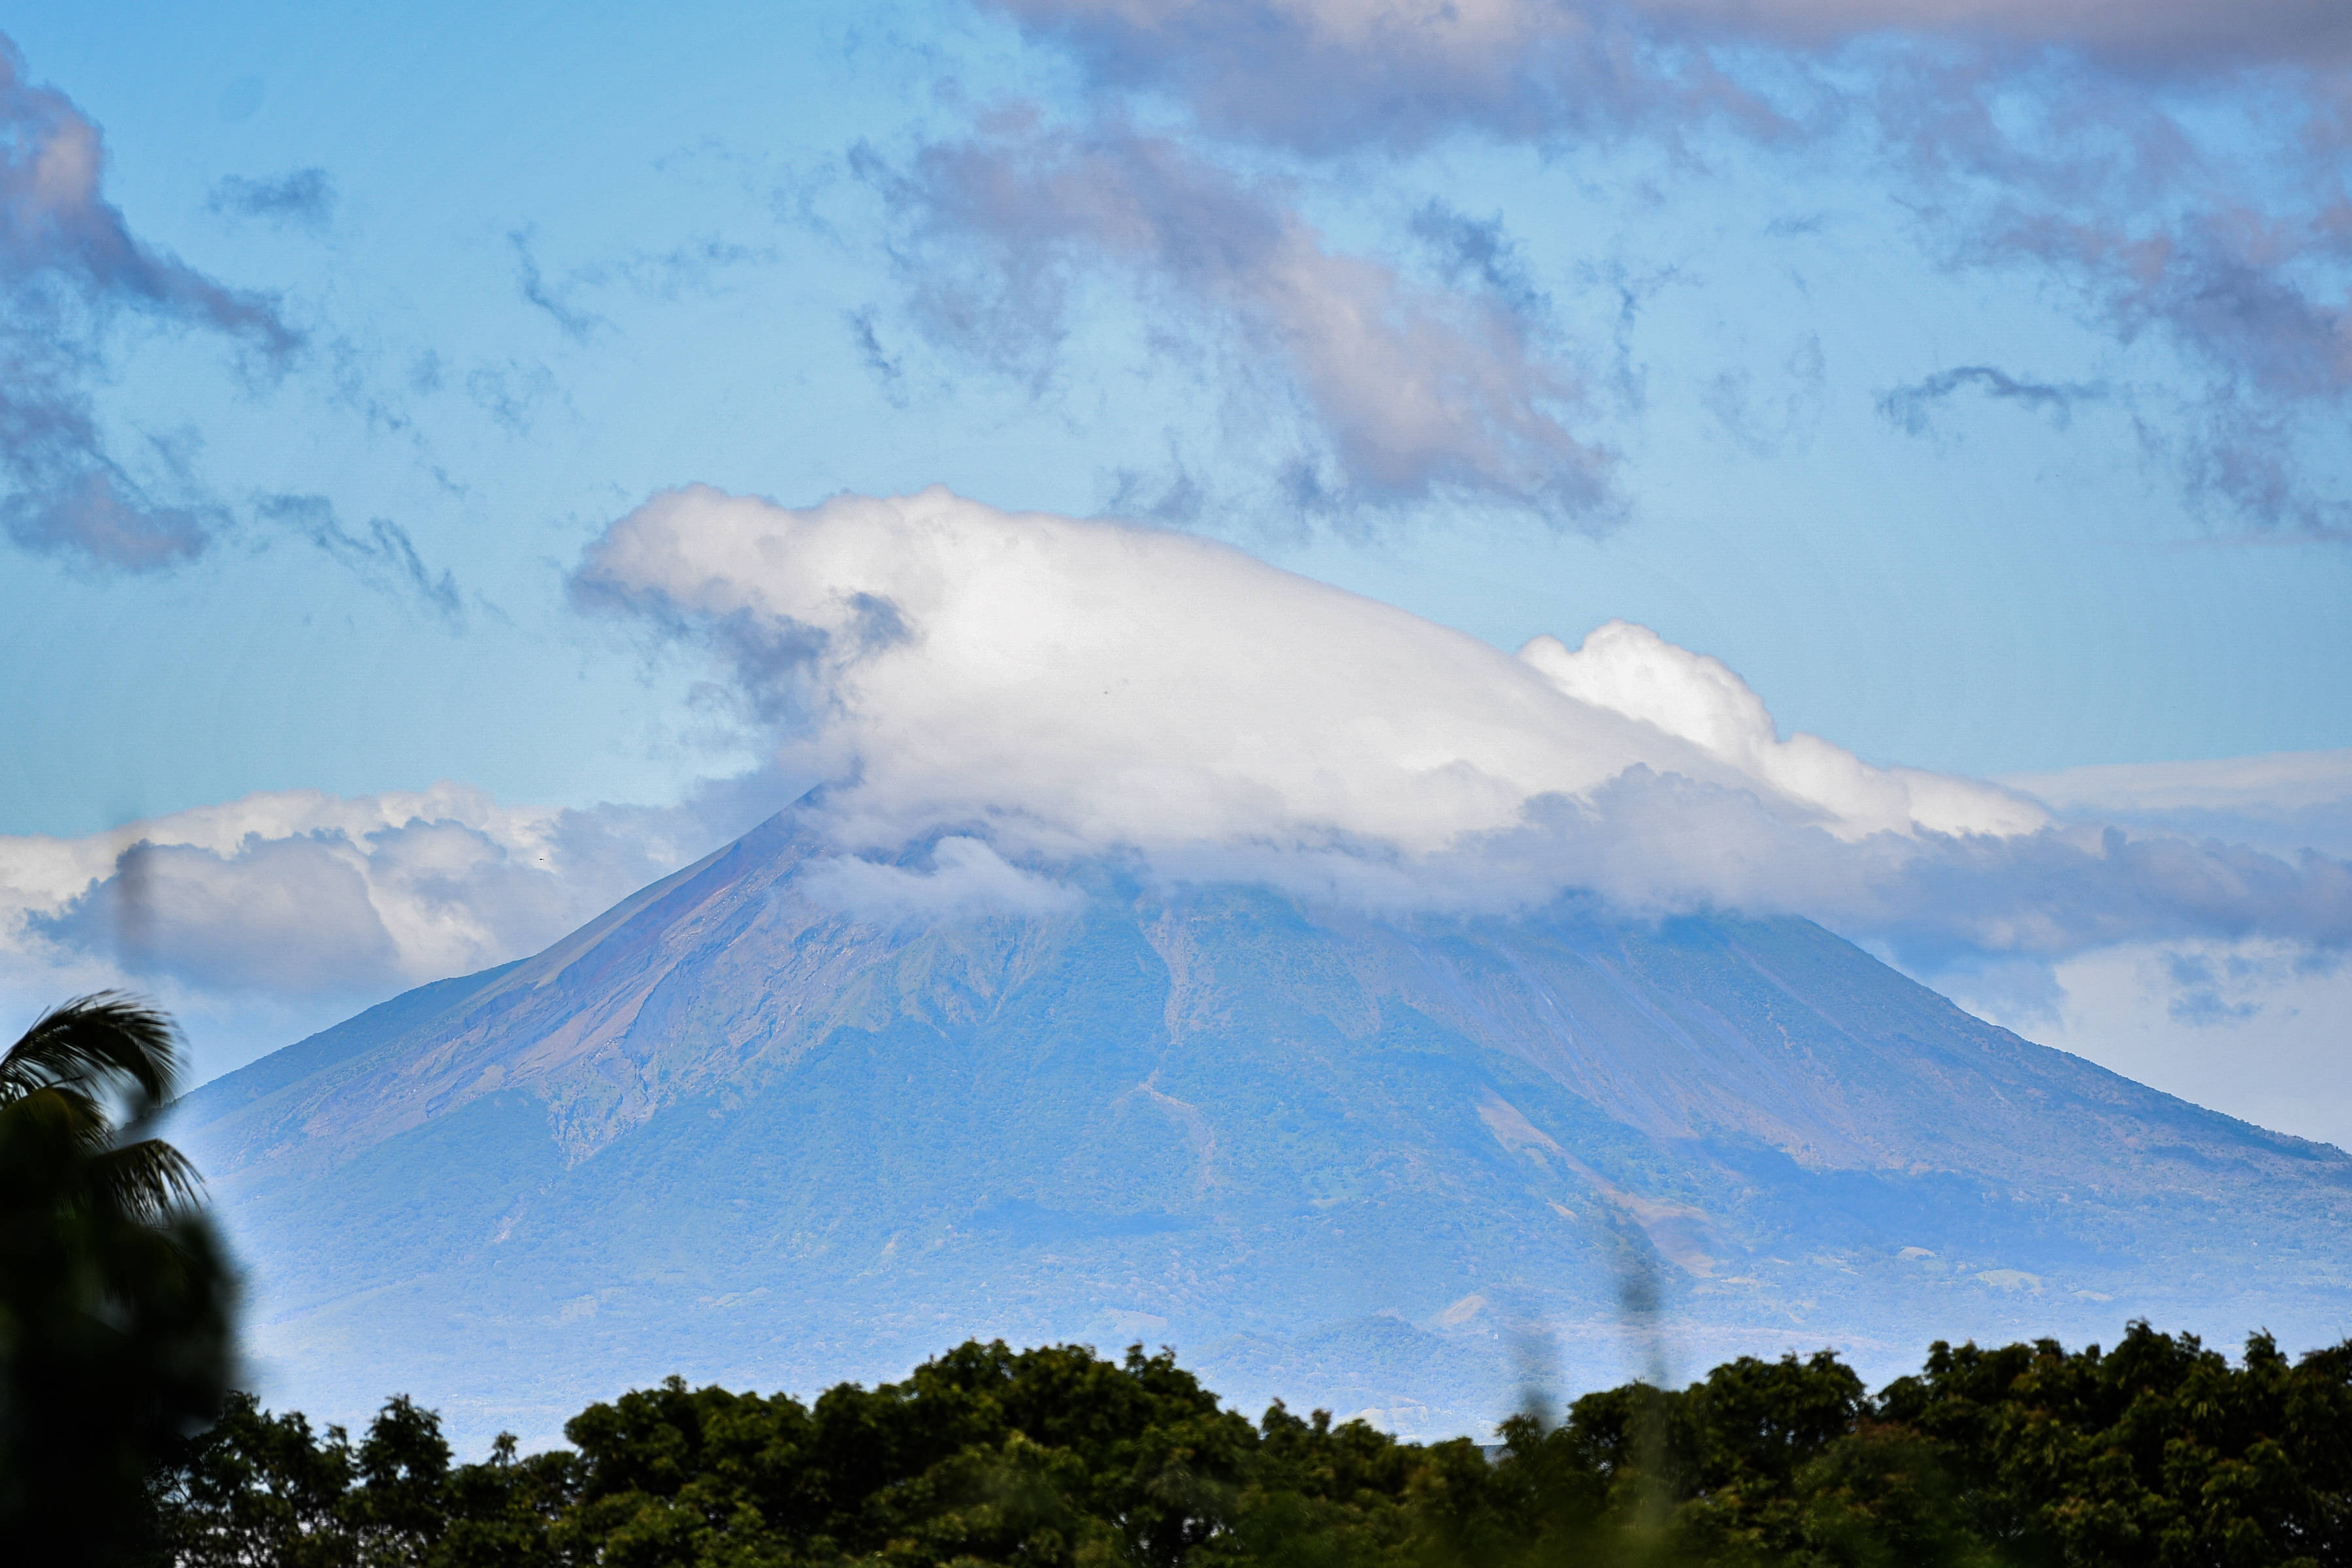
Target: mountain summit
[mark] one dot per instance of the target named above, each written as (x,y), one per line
(742,1128)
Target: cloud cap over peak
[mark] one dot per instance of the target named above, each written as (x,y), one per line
(1092,685)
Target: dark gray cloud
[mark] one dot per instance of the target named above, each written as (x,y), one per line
(303,197)
(1407,392)
(71,267)
(383,556)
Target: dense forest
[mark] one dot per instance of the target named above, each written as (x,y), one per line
(2159,1451)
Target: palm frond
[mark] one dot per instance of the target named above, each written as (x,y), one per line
(145,1181)
(103,1041)
(61,1118)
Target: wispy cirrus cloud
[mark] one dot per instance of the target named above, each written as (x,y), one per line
(70,268)
(382,555)
(1912,408)
(1406,391)
(2177,169)
(302,197)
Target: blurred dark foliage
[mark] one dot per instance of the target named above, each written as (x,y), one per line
(2156,1452)
(115,1332)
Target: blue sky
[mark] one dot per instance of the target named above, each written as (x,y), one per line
(1970,380)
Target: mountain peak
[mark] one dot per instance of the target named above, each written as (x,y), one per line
(731,1128)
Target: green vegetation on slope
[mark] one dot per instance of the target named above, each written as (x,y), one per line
(2156,1452)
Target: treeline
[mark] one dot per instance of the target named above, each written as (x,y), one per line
(2156,1452)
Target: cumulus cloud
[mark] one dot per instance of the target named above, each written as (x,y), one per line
(69,266)
(301,893)
(1001,708)
(1061,690)
(1409,391)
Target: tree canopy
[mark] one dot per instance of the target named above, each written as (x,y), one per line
(2156,1452)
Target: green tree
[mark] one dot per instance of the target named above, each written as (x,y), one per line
(115,1333)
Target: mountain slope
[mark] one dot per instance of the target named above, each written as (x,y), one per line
(1399,1165)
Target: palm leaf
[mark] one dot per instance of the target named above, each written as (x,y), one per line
(95,1042)
(145,1181)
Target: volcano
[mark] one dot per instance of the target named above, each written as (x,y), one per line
(1397,1166)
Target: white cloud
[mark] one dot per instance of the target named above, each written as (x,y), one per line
(1082,687)
(1059,689)
(1631,670)
(967,878)
(989,697)
(284,911)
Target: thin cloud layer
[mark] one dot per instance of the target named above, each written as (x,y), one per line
(1399,72)
(2284,803)
(2174,36)
(1410,391)
(1063,690)
(69,266)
